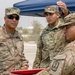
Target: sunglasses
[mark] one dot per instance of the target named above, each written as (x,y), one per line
(12,17)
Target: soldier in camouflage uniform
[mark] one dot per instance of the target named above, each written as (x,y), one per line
(11,44)
(51,38)
(64,62)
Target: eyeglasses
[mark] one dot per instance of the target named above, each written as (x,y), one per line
(12,17)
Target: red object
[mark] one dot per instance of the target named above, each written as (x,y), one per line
(27,72)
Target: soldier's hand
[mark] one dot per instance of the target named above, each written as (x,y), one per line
(24,67)
(63,7)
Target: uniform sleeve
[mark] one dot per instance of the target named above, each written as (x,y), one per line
(36,63)
(63,64)
(24,61)
(62,14)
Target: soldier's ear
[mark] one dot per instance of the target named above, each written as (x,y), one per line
(5,18)
(58,15)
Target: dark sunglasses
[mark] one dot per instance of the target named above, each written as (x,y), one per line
(12,17)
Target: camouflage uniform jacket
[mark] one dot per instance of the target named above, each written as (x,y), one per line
(11,47)
(50,40)
(63,63)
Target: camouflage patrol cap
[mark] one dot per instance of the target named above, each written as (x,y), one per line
(12,10)
(51,9)
(69,19)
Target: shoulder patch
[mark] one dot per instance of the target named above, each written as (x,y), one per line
(55,65)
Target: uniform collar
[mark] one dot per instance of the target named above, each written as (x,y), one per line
(55,27)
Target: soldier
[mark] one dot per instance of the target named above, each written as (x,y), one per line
(64,62)
(51,38)
(11,44)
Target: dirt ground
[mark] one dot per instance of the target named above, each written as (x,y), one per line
(30,52)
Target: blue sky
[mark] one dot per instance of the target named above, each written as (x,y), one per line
(24,20)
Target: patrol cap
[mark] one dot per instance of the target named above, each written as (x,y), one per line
(12,10)
(51,9)
(69,19)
